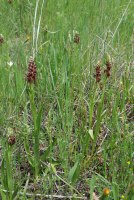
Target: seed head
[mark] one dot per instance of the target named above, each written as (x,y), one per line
(108,67)
(31,74)
(76,38)
(11,140)
(98,73)
(107,72)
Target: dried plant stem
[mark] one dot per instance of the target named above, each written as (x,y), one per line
(48,196)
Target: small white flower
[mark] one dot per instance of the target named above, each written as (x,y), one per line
(10,63)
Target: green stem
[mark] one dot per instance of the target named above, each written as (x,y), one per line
(35,133)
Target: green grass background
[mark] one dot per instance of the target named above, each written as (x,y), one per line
(73,103)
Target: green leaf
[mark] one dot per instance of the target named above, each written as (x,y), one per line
(4,176)
(3,195)
(9,171)
(92,186)
(91,134)
(74,171)
(53,168)
(16,189)
(38,120)
(45,154)
(27,149)
(115,189)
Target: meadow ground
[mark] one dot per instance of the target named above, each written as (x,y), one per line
(66,113)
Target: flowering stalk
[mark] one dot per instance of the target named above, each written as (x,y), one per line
(31,80)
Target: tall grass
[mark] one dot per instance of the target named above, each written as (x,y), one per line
(73,134)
